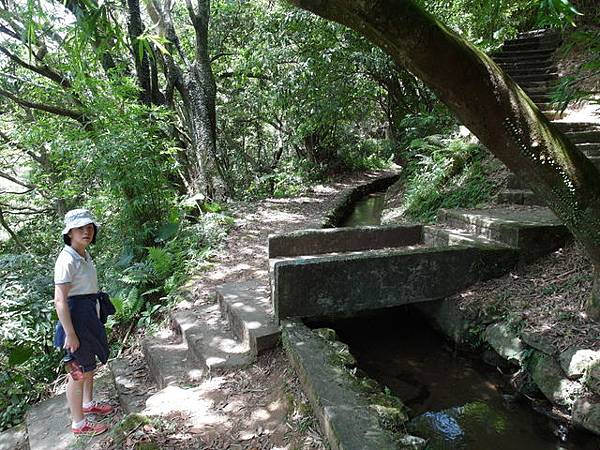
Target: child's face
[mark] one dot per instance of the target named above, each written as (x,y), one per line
(82,236)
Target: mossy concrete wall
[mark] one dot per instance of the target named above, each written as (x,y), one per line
(330,240)
(347,284)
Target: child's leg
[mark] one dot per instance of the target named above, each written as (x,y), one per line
(88,387)
(75,397)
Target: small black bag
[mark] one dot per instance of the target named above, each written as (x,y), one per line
(106,306)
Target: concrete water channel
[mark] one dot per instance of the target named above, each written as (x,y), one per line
(455,401)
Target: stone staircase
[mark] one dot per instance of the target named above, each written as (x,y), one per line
(528,59)
(204,340)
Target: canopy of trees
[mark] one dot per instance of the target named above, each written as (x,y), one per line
(152,114)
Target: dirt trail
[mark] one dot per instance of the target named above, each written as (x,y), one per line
(261,407)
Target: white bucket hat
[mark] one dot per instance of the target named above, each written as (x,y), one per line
(77,218)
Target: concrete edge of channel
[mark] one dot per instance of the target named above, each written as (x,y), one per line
(344,414)
(349,196)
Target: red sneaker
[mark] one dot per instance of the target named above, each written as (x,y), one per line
(90,429)
(98,408)
(75,370)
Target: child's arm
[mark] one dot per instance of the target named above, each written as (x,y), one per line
(61,292)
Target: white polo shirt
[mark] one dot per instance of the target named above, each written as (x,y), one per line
(80,272)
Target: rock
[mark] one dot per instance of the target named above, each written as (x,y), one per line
(575,361)
(477,425)
(327,333)
(390,417)
(592,377)
(539,342)
(586,413)
(409,442)
(505,341)
(14,438)
(549,377)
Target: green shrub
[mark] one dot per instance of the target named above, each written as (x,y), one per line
(444,174)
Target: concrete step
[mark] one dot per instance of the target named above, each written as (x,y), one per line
(542,77)
(590,149)
(49,422)
(538,99)
(515,72)
(540,33)
(568,127)
(169,361)
(209,338)
(536,86)
(133,383)
(595,160)
(247,306)
(523,61)
(540,93)
(544,52)
(519,197)
(531,44)
(514,182)
(525,65)
(436,236)
(553,115)
(581,137)
(535,231)
(15,438)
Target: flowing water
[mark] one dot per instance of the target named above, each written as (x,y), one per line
(367,211)
(456,402)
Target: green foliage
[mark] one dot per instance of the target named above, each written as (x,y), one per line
(486,23)
(443,174)
(579,85)
(557,13)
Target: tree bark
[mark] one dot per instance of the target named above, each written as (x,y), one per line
(490,104)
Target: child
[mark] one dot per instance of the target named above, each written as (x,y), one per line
(79,330)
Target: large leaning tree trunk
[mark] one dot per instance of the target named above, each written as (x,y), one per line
(490,104)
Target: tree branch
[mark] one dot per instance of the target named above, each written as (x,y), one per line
(11,232)
(75,115)
(16,181)
(44,71)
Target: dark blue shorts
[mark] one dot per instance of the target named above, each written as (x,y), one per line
(89,330)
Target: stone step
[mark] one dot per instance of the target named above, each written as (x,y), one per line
(211,344)
(535,231)
(526,65)
(247,306)
(49,422)
(581,137)
(514,182)
(516,72)
(527,50)
(553,115)
(545,52)
(531,44)
(169,361)
(590,149)
(536,86)
(538,99)
(543,77)
(436,236)
(595,160)
(540,33)
(15,438)
(567,127)
(524,60)
(133,383)
(519,197)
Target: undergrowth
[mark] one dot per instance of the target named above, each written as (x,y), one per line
(444,173)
